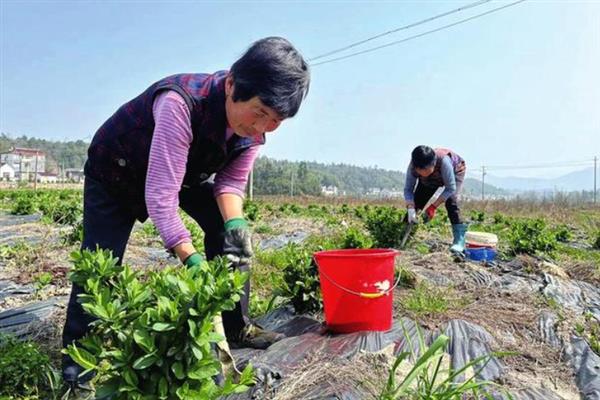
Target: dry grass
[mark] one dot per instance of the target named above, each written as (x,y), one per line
(511,318)
(365,372)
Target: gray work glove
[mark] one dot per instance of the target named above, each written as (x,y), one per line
(412,216)
(238,242)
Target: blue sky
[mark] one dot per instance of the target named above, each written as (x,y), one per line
(517,87)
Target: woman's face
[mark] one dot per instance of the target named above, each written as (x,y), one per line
(250,118)
(425,172)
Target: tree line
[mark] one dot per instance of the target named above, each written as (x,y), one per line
(271,176)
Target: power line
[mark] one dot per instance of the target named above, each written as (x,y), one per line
(418,35)
(466,7)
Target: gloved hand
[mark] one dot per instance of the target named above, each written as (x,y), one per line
(193,260)
(412,216)
(238,243)
(430,212)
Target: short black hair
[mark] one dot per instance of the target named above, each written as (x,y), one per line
(275,71)
(423,157)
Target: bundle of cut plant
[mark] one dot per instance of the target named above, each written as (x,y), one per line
(154,335)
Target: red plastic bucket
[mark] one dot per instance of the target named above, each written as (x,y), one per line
(357,287)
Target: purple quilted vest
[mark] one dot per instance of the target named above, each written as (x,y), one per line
(435,179)
(119,152)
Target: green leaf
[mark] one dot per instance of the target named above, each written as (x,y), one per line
(163,326)
(130,377)
(202,373)
(177,369)
(163,388)
(143,338)
(192,328)
(247,377)
(107,389)
(197,351)
(82,357)
(144,361)
(184,287)
(215,337)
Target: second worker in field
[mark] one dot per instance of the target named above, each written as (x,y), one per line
(429,170)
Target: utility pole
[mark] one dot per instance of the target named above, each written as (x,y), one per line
(35,172)
(482,182)
(595,173)
(251,184)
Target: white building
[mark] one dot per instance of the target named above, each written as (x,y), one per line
(329,190)
(73,174)
(24,162)
(384,193)
(43,177)
(7,172)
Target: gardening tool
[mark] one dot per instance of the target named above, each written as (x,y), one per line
(407,229)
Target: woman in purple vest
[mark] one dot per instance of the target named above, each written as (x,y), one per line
(189,142)
(429,170)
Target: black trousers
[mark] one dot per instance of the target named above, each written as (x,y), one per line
(424,193)
(107,224)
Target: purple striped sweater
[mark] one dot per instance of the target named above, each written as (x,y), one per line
(166,167)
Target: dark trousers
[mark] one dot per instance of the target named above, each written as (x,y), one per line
(424,193)
(107,224)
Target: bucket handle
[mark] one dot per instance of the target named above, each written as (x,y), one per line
(361,294)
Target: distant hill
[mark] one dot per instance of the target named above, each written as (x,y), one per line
(472,189)
(574,181)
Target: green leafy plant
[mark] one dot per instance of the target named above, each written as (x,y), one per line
(354,238)
(301,279)
(596,241)
(65,212)
(20,253)
(362,211)
(500,218)
(75,235)
(563,233)
(406,277)
(264,229)
(261,306)
(154,333)
(149,229)
(531,236)
(315,211)
(427,380)
(385,226)
(26,372)
(42,280)
(251,210)
(422,248)
(477,216)
(424,300)
(289,209)
(589,329)
(24,206)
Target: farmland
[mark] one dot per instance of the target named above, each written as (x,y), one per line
(536,307)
